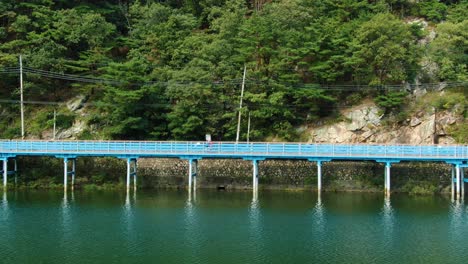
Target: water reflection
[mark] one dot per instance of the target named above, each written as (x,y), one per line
(255,226)
(456,217)
(129,221)
(388,220)
(318,213)
(5,208)
(67,222)
(192,196)
(192,229)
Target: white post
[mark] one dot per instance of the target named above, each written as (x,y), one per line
(451,181)
(255,175)
(457,171)
(16,171)
(135,174)
(240,105)
(195,174)
(319,175)
(5,172)
(387,167)
(65,173)
(462,181)
(128,173)
(190,175)
(385,180)
(21,97)
(73,172)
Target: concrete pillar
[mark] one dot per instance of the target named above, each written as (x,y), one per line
(73,172)
(319,175)
(5,172)
(190,174)
(255,175)
(452,181)
(195,174)
(65,173)
(128,172)
(135,174)
(387,168)
(457,171)
(385,179)
(462,181)
(16,171)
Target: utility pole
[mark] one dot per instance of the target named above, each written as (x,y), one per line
(248,129)
(240,104)
(55,120)
(21,97)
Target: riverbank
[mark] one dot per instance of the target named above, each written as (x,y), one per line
(109,173)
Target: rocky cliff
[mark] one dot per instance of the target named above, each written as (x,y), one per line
(365,123)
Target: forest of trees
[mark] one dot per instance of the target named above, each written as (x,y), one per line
(173,69)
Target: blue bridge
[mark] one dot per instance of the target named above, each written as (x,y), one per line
(69,151)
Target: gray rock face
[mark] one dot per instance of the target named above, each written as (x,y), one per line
(364,126)
(73,131)
(415,121)
(76,103)
(359,122)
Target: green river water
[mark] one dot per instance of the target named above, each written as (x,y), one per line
(230,227)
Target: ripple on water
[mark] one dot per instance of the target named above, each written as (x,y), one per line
(231,227)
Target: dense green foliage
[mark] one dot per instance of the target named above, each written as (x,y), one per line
(173,69)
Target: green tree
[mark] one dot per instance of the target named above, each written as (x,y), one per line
(450,50)
(384,51)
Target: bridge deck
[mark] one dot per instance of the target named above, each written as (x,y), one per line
(234,150)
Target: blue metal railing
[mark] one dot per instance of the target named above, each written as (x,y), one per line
(232,149)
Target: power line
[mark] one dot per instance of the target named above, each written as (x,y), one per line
(250,105)
(335,87)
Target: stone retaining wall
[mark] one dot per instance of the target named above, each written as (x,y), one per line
(237,174)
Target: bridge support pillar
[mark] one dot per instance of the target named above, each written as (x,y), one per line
(192,174)
(15,167)
(255,175)
(319,176)
(131,171)
(66,172)
(319,162)
(5,171)
(452,181)
(462,181)
(387,178)
(73,172)
(457,172)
